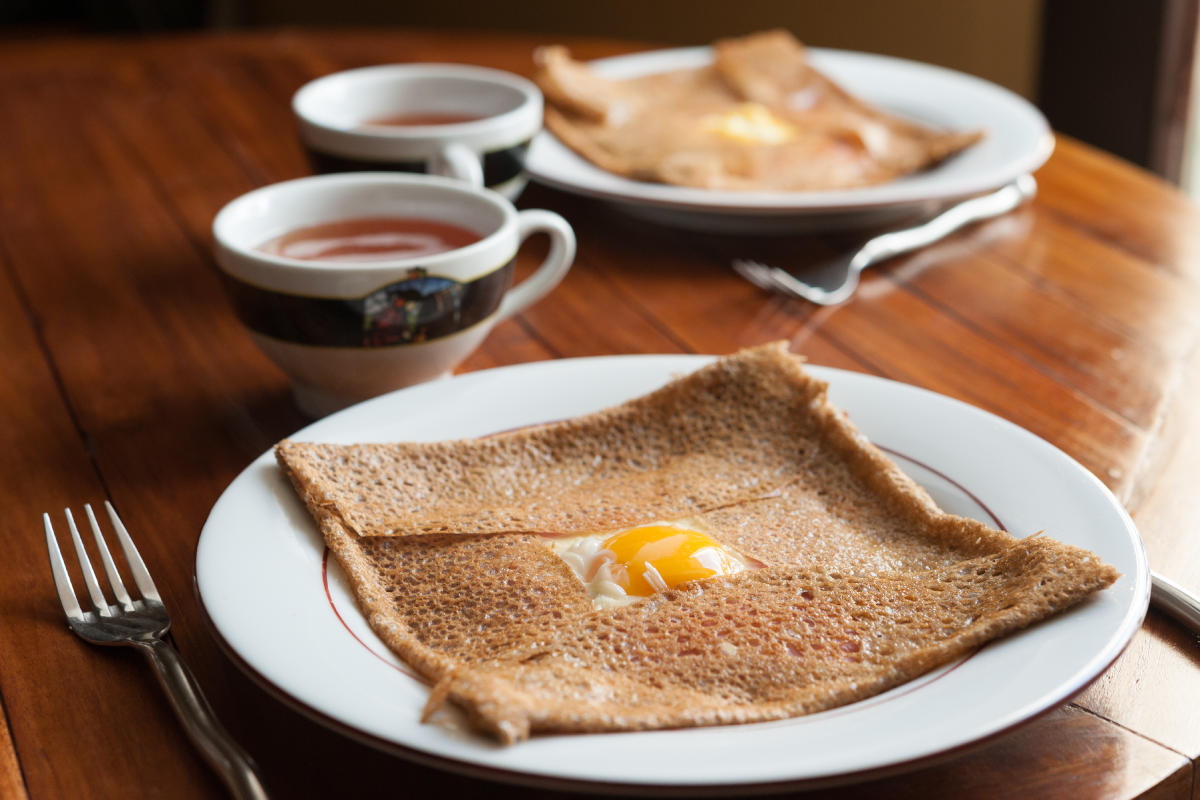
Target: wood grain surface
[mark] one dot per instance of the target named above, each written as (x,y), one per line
(125,375)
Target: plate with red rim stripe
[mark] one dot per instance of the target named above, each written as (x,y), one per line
(283,611)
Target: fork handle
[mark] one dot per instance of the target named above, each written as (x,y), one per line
(894,243)
(1173,599)
(236,768)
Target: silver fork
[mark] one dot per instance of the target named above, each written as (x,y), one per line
(835,282)
(143,624)
(1174,600)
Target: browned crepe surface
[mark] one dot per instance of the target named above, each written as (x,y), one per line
(661,127)
(866,584)
(724,434)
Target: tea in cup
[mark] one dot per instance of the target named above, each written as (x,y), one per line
(465,122)
(360,283)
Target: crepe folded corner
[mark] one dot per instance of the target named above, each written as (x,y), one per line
(719,436)
(859,581)
(760,117)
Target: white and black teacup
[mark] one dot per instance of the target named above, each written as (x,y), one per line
(355,285)
(465,122)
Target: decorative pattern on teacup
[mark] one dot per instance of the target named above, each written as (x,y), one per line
(419,308)
(499,166)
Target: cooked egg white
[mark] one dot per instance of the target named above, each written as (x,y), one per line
(618,567)
(749,123)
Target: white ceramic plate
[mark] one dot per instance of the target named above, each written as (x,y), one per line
(259,570)
(1018,140)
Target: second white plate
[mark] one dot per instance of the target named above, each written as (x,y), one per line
(1018,140)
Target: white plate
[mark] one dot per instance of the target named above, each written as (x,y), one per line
(1018,140)
(259,574)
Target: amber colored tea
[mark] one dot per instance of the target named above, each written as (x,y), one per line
(368,239)
(421,118)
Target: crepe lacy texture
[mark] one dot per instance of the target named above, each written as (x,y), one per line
(474,590)
(766,644)
(864,583)
(760,117)
(721,435)
(507,634)
(833,519)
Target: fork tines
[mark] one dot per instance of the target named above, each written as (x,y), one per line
(62,581)
(772,278)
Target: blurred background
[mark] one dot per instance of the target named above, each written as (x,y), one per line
(1118,74)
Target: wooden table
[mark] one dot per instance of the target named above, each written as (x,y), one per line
(125,375)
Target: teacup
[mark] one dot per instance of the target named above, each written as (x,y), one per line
(466,122)
(343,331)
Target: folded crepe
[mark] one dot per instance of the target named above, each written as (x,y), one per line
(858,582)
(760,117)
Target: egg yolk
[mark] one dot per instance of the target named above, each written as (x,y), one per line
(655,558)
(749,123)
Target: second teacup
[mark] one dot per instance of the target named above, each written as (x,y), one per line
(466,122)
(346,321)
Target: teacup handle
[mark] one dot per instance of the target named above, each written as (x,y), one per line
(456,160)
(552,270)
